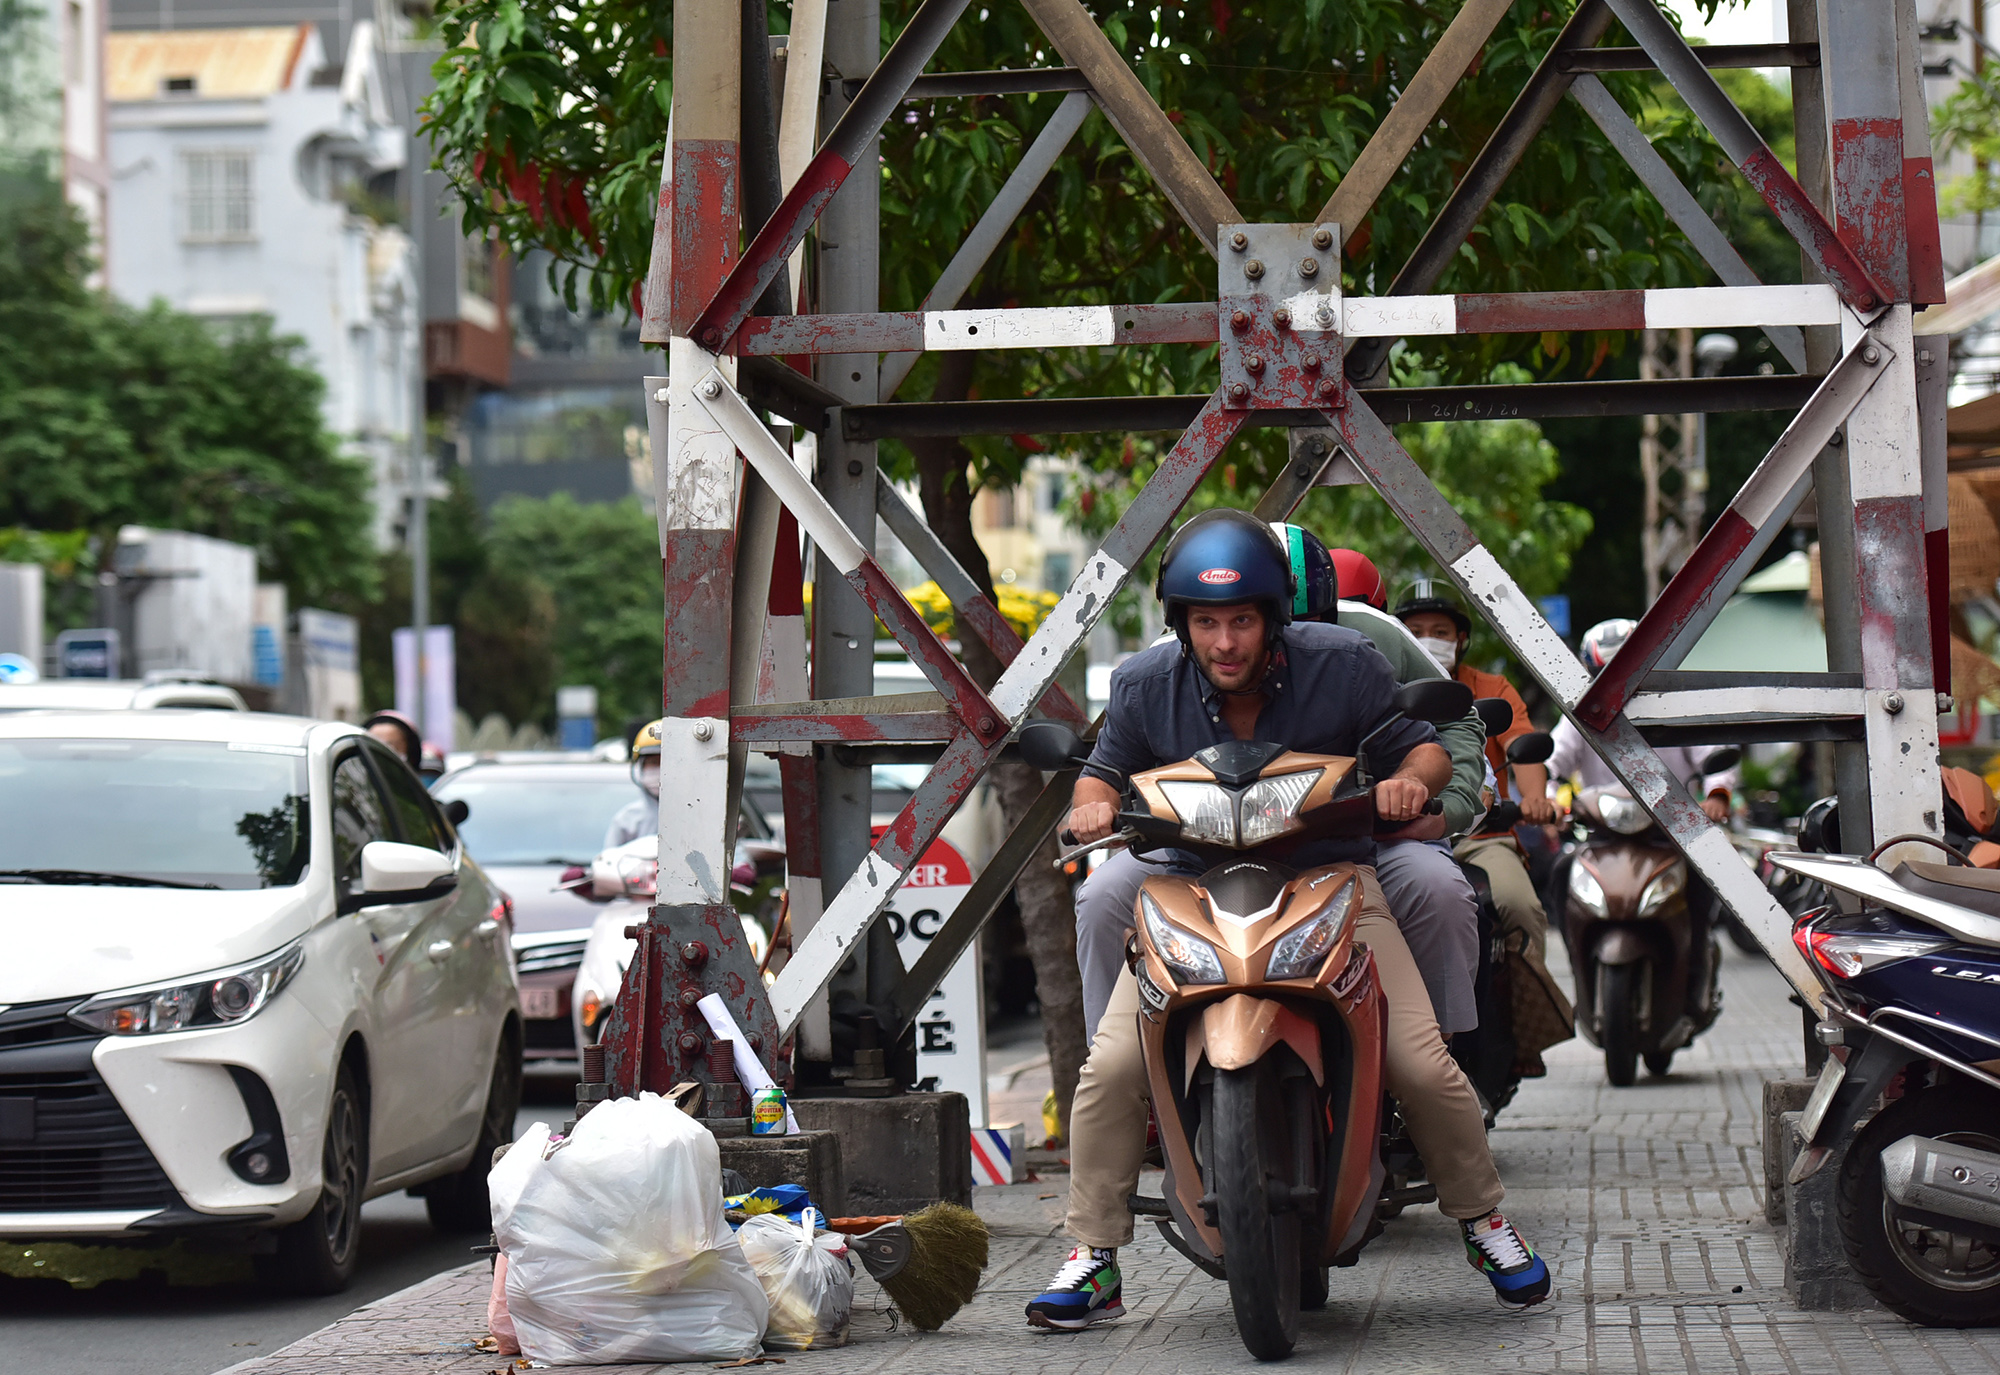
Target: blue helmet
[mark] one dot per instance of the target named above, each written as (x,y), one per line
(1221,558)
(1315,582)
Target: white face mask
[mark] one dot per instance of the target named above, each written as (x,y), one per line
(1445,652)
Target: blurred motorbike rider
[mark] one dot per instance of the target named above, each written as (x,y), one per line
(1576,762)
(1240,668)
(1427,892)
(1433,613)
(640,816)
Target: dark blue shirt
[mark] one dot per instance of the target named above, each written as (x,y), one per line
(1327,689)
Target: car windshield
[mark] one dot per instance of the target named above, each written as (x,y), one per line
(199,813)
(538,813)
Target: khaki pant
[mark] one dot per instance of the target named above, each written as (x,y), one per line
(1514,896)
(1107,1123)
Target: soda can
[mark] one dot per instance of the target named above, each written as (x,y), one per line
(767,1112)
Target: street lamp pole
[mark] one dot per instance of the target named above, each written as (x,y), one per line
(418,532)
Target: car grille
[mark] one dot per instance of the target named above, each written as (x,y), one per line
(40,1024)
(84,1153)
(549,957)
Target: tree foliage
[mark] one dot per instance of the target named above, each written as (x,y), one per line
(1969,119)
(112,415)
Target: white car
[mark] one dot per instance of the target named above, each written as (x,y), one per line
(251,980)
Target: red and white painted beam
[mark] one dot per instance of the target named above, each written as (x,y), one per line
(1357,317)
(1739,535)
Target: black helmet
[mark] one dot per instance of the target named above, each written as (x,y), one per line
(1428,594)
(1220,558)
(1315,583)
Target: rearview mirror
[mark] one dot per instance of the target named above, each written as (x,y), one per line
(1533,748)
(1719,761)
(1051,746)
(1435,700)
(391,872)
(1497,713)
(455,811)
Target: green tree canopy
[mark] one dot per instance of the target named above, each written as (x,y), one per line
(112,415)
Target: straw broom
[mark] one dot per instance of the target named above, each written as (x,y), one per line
(928,1262)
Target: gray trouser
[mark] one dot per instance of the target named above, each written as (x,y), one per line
(1426,892)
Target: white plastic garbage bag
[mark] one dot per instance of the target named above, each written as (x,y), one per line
(808,1279)
(616,1245)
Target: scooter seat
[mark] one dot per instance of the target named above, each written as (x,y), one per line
(1978,889)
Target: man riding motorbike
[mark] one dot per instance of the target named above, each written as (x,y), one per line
(1426,891)
(1433,614)
(1240,668)
(640,816)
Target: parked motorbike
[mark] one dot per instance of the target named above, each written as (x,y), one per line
(1262,1020)
(1644,955)
(1910,964)
(1489,1054)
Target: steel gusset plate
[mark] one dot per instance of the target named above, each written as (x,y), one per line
(1278,301)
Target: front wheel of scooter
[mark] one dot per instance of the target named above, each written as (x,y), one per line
(1618,990)
(1260,1244)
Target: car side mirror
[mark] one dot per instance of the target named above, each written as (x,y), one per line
(1533,748)
(1052,746)
(1435,700)
(392,872)
(1718,761)
(456,811)
(1497,713)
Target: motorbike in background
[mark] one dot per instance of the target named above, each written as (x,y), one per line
(1641,936)
(1910,963)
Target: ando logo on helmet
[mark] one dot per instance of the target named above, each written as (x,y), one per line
(1213,576)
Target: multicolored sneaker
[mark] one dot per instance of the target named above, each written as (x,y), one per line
(1499,1251)
(1084,1292)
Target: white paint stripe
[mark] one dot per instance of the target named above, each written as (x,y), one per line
(1306,308)
(1705,706)
(833,936)
(694,753)
(1520,624)
(1057,637)
(1372,317)
(1058,327)
(735,420)
(1741,307)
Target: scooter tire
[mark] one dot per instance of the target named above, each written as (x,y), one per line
(1930,1277)
(1618,1011)
(1260,1247)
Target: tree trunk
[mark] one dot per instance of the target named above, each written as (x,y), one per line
(1047,911)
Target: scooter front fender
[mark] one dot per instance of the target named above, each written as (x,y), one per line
(1620,944)
(1238,1031)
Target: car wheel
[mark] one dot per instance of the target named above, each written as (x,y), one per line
(317,1254)
(457,1202)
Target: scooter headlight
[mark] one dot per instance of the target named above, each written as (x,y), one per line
(1272,805)
(1301,952)
(219,999)
(1623,814)
(1663,889)
(1586,890)
(1191,959)
(1207,812)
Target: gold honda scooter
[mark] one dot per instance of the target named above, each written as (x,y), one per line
(1262,1021)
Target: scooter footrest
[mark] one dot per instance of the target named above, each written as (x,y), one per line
(1144,1205)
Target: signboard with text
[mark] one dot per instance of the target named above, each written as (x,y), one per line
(951,1030)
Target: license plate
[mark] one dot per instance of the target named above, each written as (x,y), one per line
(1822,1097)
(541,1003)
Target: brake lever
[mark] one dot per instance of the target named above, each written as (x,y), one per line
(1117,839)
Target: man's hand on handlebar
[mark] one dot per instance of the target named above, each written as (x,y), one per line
(1399,799)
(1091,821)
(1538,809)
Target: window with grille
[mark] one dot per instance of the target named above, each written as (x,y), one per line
(217,203)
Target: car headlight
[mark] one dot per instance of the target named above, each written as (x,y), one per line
(1300,953)
(1623,814)
(1271,805)
(1191,959)
(223,998)
(1207,812)
(1662,889)
(1585,889)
